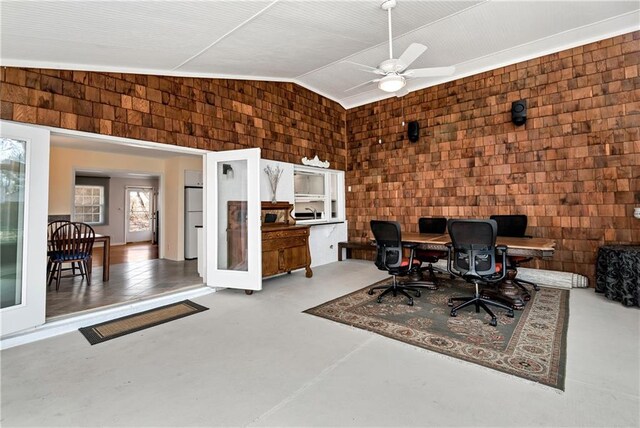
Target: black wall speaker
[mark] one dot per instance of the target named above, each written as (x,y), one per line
(519,112)
(413,131)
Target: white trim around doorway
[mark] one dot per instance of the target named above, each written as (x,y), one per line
(68,324)
(56,327)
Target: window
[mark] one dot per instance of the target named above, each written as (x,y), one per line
(319,194)
(89,204)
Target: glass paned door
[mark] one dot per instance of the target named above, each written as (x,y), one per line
(139,214)
(24,189)
(232,219)
(13,159)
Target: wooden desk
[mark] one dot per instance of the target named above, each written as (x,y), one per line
(106,254)
(507,292)
(541,248)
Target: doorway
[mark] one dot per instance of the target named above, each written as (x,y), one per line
(140,214)
(139,208)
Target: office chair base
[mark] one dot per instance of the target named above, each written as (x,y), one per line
(395,288)
(428,285)
(479,302)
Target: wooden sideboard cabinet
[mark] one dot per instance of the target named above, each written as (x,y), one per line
(285,245)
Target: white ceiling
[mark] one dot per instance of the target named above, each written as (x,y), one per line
(299,41)
(116,147)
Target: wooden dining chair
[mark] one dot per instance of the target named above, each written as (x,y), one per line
(72,243)
(52,226)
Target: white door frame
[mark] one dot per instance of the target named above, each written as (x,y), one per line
(127,201)
(251,279)
(43,208)
(31,310)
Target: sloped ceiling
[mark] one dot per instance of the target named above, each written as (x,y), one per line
(305,42)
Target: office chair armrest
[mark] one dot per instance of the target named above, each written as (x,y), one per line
(502,249)
(449,246)
(412,248)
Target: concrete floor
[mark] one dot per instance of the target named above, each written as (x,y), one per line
(258,361)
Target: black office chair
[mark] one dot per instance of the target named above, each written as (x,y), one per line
(472,256)
(515,226)
(389,257)
(431,225)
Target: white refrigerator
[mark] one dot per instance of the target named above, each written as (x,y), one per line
(192,218)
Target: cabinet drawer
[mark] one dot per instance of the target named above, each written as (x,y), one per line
(266,235)
(276,244)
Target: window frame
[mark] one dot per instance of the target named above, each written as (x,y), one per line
(101,183)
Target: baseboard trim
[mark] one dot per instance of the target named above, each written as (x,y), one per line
(68,323)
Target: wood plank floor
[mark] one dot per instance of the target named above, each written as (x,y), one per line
(133,252)
(136,273)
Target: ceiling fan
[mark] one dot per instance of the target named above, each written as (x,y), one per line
(395,72)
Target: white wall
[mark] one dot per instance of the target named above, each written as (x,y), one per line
(323,242)
(285,185)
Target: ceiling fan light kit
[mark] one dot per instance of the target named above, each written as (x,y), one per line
(392,83)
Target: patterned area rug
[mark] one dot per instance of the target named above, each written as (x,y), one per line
(532,345)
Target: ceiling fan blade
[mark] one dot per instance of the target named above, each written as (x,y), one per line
(362,84)
(411,54)
(402,92)
(366,68)
(430,72)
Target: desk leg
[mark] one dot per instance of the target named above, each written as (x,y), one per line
(106,259)
(507,293)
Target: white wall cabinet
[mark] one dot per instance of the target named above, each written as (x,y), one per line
(318,195)
(312,188)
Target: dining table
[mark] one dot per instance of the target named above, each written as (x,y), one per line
(106,254)
(506,291)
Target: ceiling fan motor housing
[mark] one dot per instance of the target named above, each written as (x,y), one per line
(391,66)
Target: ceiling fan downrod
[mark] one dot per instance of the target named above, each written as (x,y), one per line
(388,5)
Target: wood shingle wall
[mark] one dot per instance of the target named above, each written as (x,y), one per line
(574,168)
(286,121)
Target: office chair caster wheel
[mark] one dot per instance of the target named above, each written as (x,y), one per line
(370,292)
(493,322)
(510,314)
(450,302)
(410,302)
(454,313)
(418,294)
(379,299)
